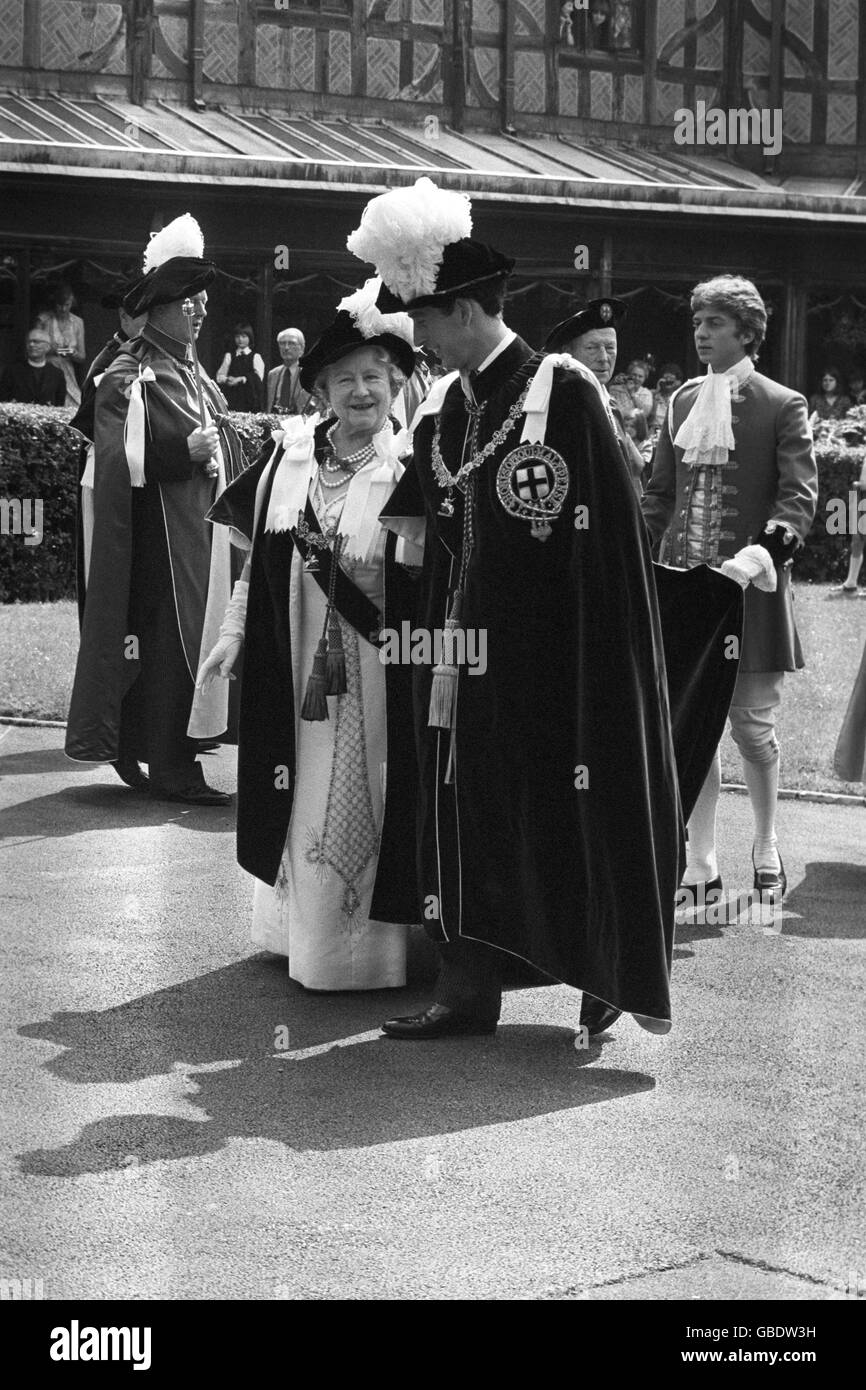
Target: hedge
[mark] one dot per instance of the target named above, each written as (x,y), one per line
(39,458)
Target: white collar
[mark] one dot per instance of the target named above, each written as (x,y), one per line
(503,343)
(491,357)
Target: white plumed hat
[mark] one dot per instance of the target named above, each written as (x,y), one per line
(418,240)
(182,237)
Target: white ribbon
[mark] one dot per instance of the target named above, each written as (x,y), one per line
(369,490)
(295,472)
(88,477)
(133,430)
(537,401)
(432,403)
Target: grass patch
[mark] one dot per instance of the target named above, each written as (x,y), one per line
(38,648)
(39,644)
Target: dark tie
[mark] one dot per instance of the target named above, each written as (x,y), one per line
(287,389)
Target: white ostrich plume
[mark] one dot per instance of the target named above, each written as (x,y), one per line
(369,320)
(182,237)
(404,233)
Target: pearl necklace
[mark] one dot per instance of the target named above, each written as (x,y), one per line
(347,466)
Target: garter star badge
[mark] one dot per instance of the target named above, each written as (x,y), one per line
(531,483)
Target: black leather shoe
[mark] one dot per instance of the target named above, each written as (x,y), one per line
(129,772)
(693,899)
(198,795)
(438,1022)
(596,1016)
(771,883)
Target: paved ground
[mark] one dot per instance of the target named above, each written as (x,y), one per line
(158,1142)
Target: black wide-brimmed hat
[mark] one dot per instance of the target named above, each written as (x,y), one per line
(342,337)
(466,265)
(180,278)
(596,313)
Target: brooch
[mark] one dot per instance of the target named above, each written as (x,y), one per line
(531,483)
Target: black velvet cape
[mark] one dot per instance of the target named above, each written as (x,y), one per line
(150,555)
(560,840)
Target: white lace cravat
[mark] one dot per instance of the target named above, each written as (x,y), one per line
(705,436)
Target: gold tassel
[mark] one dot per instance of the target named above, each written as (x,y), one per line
(315,706)
(443,692)
(336,663)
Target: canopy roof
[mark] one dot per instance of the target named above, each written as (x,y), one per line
(97,135)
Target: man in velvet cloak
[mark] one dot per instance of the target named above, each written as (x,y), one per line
(157,585)
(550,814)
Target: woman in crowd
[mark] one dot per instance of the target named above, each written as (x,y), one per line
(242,373)
(831,402)
(66,332)
(629,389)
(316,730)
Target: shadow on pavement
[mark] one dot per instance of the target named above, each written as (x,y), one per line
(830,901)
(42,760)
(112,806)
(349,1095)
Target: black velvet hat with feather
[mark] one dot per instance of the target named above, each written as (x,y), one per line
(360,322)
(174,267)
(418,240)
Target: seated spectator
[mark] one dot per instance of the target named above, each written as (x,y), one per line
(831,402)
(66,333)
(36,381)
(242,373)
(857,387)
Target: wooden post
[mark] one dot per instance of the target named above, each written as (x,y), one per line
(196,54)
(650,51)
(33,34)
(265,313)
(458,65)
(506,84)
(777,56)
(359,50)
(139,51)
(792,356)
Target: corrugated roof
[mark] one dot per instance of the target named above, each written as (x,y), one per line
(97,133)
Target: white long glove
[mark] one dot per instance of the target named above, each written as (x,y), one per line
(752,565)
(231,639)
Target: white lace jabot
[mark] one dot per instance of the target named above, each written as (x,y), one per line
(705,436)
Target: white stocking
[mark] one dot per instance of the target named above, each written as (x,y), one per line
(762,779)
(701,863)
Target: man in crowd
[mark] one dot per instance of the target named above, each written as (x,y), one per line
(35,381)
(159,576)
(590,336)
(735,484)
(549,828)
(286,395)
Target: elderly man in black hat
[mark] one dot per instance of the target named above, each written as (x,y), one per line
(590,337)
(549,812)
(159,577)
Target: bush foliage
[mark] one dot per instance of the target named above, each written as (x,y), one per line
(40,458)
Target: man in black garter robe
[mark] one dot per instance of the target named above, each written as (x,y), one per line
(550,813)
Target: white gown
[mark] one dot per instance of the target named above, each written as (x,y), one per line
(318,913)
